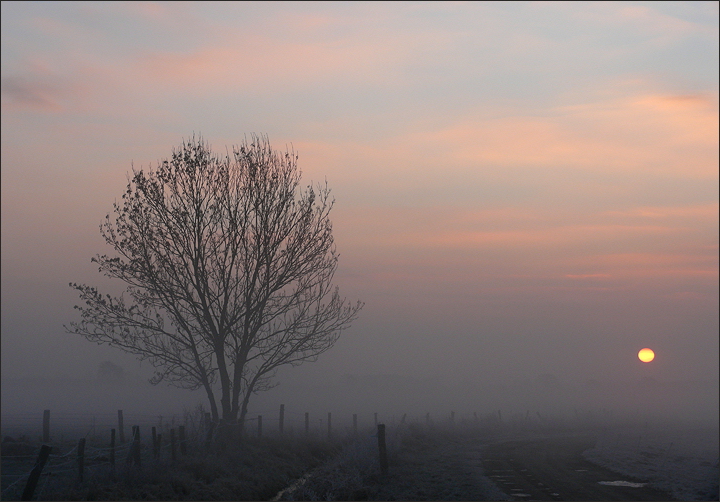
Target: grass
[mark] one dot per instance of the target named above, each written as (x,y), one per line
(255,469)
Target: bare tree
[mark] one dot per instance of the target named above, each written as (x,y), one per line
(228,264)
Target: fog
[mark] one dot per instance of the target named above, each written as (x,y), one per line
(89,380)
(526,196)
(410,352)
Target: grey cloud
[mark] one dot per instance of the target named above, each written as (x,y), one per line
(32,93)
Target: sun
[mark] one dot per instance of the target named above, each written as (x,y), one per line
(646,355)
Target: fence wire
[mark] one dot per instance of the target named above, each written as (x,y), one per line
(62,467)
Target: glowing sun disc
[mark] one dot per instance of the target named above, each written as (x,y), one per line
(646,355)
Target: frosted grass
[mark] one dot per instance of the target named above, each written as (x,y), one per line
(681,461)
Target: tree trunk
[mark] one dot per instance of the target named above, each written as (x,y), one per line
(211,398)
(243,410)
(225,385)
(213,404)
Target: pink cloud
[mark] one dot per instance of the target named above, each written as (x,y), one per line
(668,27)
(531,249)
(587,276)
(644,19)
(708,213)
(268,58)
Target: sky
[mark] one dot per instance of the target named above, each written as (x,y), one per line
(521,189)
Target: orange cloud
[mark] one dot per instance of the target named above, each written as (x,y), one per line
(675,135)
(640,134)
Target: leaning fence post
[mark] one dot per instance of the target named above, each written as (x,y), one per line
(382,448)
(282,417)
(35,473)
(46,426)
(121,430)
(81,459)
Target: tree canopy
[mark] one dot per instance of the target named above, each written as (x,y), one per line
(228,264)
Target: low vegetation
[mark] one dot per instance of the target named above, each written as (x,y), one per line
(255,469)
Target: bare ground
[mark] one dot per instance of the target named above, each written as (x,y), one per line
(553,468)
(444,465)
(425,463)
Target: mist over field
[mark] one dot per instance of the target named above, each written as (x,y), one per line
(526,195)
(391,395)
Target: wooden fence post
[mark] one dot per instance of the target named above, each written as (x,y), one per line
(112,448)
(402,420)
(307,423)
(282,418)
(46,426)
(355,423)
(173,452)
(121,430)
(154,443)
(329,425)
(183,444)
(259,426)
(81,459)
(136,444)
(452,418)
(382,448)
(35,473)
(131,451)
(427,418)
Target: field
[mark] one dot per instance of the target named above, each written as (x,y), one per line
(477,458)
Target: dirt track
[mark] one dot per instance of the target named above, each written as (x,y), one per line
(540,468)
